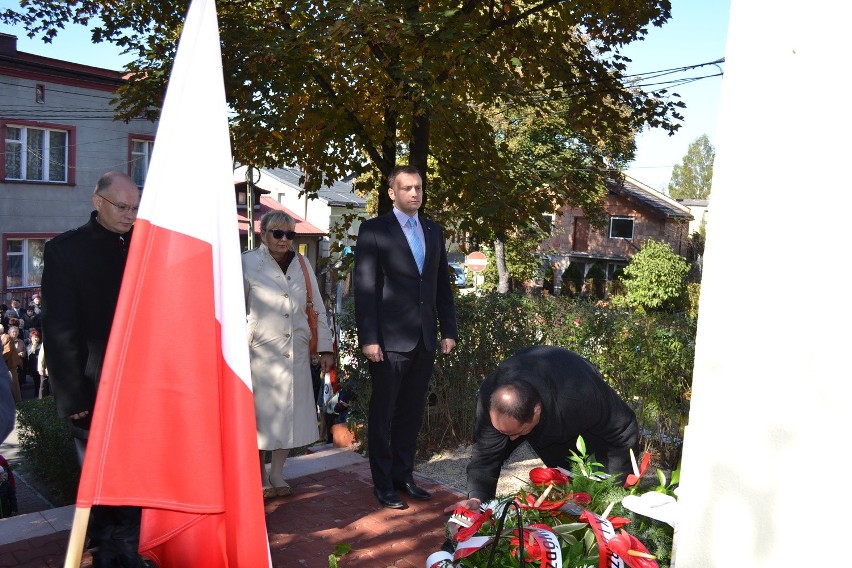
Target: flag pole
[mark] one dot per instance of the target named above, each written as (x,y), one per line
(74,553)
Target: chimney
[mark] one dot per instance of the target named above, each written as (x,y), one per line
(8,45)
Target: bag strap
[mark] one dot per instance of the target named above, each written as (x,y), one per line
(310,312)
(310,291)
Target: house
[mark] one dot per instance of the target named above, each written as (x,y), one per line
(324,212)
(59,137)
(635,212)
(308,237)
(699,209)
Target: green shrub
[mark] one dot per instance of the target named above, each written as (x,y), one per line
(655,278)
(647,358)
(48,450)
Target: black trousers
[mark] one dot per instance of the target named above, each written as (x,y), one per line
(113,531)
(400,384)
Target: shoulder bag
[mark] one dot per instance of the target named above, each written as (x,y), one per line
(309,307)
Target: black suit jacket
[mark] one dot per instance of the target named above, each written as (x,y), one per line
(394,304)
(576,401)
(82,276)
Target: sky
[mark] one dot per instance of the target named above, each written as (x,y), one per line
(696,33)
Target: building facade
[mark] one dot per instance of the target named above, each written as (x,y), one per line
(59,136)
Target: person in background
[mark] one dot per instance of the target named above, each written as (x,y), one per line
(83,269)
(31,320)
(36,303)
(402,291)
(547,396)
(44,377)
(33,353)
(8,492)
(20,347)
(10,360)
(279,346)
(14,311)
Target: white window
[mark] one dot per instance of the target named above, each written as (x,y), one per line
(24,262)
(36,154)
(549,223)
(140,159)
(621,227)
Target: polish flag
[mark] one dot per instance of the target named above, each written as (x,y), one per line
(174,426)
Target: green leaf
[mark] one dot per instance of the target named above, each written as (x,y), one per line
(342,548)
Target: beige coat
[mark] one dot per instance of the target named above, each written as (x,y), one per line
(279,336)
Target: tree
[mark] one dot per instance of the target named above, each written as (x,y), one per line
(693,177)
(341,86)
(654,278)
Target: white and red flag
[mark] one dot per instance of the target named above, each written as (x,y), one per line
(174,426)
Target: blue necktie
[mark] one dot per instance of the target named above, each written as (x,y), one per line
(415,244)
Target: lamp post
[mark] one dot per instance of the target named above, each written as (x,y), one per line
(250,205)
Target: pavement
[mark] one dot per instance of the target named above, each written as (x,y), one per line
(332,504)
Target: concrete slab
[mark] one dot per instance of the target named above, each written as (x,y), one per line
(24,527)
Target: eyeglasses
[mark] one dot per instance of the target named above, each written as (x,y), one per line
(121,207)
(278,233)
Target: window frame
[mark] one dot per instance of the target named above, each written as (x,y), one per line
(26,261)
(47,127)
(615,218)
(148,141)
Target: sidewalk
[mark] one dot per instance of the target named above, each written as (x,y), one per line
(332,503)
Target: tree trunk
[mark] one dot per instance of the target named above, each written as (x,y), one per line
(384,203)
(502,273)
(419,147)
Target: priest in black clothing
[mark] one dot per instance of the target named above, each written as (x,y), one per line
(547,396)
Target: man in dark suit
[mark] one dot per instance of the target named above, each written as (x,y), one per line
(547,396)
(83,269)
(402,291)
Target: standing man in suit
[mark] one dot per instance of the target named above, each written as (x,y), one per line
(402,292)
(83,269)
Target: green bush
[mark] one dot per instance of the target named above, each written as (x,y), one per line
(655,278)
(647,358)
(48,450)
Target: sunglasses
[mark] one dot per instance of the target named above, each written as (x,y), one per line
(278,233)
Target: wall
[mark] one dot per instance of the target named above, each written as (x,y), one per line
(99,144)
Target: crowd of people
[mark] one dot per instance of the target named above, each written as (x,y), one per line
(20,334)
(405,315)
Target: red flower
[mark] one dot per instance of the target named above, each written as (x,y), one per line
(532,550)
(618,522)
(542,475)
(632,551)
(580,498)
(633,479)
(477,520)
(528,502)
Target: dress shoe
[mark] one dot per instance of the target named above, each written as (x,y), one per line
(388,499)
(413,491)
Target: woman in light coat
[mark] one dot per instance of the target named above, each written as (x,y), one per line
(279,346)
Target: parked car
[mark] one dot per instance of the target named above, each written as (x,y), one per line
(457,275)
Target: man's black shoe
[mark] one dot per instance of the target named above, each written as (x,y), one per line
(414,492)
(388,499)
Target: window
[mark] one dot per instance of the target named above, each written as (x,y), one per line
(36,154)
(24,262)
(140,159)
(621,227)
(549,223)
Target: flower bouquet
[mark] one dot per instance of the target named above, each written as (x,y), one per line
(566,519)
